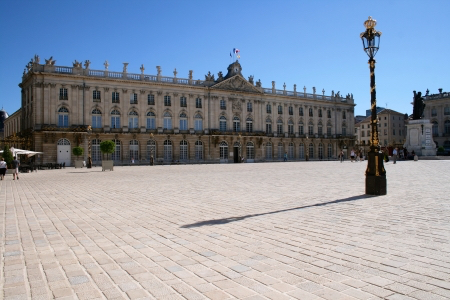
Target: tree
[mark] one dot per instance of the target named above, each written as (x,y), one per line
(77,151)
(107,147)
(7,155)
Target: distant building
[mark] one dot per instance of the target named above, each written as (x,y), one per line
(437,110)
(391,129)
(218,119)
(369,111)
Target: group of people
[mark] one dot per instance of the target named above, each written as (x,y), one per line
(4,167)
(354,155)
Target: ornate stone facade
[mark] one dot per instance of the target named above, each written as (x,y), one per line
(176,119)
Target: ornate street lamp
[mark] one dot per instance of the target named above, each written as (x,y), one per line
(89,132)
(375,172)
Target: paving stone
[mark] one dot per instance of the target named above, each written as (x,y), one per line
(250,231)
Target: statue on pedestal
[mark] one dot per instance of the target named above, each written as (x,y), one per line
(418,106)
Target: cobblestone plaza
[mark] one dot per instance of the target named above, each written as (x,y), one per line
(294,230)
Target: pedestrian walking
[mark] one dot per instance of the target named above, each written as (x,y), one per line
(341,156)
(394,155)
(15,165)
(285,156)
(352,155)
(3,168)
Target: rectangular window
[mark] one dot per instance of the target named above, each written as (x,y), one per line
(300,130)
(183,102)
(96,95)
(198,103)
(63,94)
(300,111)
(198,124)
(133,98)
(280,128)
(268,108)
(291,111)
(393,131)
(222,104)
(363,133)
(280,110)
(310,130)
(167,101)
(183,124)
(115,122)
(290,129)
(63,120)
(151,99)
(385,132)
(115,97)
(151,123)
(249,107)
(249,127)
(268,128)
(133,122)
(344,131)
(385,124)
(96,121)
(167,123)
(329,131)
(362,126)
(319,130)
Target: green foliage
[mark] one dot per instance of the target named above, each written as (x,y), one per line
(7,155)
(77,151)
(107,147)
(441,149)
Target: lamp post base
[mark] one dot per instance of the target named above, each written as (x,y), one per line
(376,183)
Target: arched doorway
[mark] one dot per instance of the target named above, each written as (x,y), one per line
(63,152)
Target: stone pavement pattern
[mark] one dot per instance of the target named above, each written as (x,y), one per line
(295,230)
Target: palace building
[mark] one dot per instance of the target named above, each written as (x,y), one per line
(174,119)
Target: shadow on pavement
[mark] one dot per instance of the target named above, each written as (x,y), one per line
(234,219)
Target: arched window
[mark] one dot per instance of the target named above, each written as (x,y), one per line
(134,150)
(280,126)
(269,150)
(320,151)
(63,117)
(435,128)
(151,149)
(96,154)
(447,126)
(236,124)
(96,118)
(250,150)
(223,148)
(133,119)
(116,155)
(115,119)
(167,120)
(183,150)
(280,151)
(268,125)
(168,150)
(291,150)
(301,151)
(183,121)
(198,150)
(330,150)
(64,142)
(223,123)
(249,125)
(290,127)
(151,120)
(311,150)
(198,122)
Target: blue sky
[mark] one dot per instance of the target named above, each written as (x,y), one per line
(308,43)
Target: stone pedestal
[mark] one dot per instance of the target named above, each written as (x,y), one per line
(419,138)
